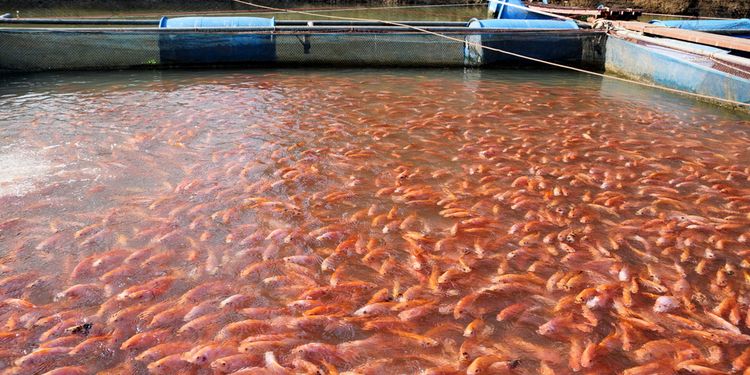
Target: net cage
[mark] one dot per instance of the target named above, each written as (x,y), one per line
(74,49)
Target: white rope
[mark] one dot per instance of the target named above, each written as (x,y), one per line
(479,45)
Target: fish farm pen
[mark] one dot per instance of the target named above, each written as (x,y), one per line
(705,57)
(511,190)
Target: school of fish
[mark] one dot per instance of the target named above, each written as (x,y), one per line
(375,223)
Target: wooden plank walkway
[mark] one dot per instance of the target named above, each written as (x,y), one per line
(700,37)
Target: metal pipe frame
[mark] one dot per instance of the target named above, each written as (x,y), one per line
(143,22)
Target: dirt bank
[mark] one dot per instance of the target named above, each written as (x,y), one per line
(721,8)
(187,5)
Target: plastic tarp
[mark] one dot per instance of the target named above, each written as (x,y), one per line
(742,24)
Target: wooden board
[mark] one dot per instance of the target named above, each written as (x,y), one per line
(721,41)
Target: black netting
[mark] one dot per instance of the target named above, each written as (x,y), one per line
(58,50)
(114,49)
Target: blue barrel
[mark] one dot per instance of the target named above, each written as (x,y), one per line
(205,46)
(215,22)
(498,9)
(558,47)
(524,24)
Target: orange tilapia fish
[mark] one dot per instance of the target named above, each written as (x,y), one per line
(368,224)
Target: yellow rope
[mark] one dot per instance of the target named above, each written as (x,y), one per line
(479,45)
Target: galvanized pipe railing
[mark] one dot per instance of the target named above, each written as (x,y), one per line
(144,22)
(304,29)
(71,21)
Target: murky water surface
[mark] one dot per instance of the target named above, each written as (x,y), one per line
(448,12)
(369,222)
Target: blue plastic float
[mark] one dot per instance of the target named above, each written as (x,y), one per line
(199,48)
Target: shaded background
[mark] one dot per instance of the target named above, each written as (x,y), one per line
(722,8)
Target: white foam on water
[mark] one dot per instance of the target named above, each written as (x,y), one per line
(21,171)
